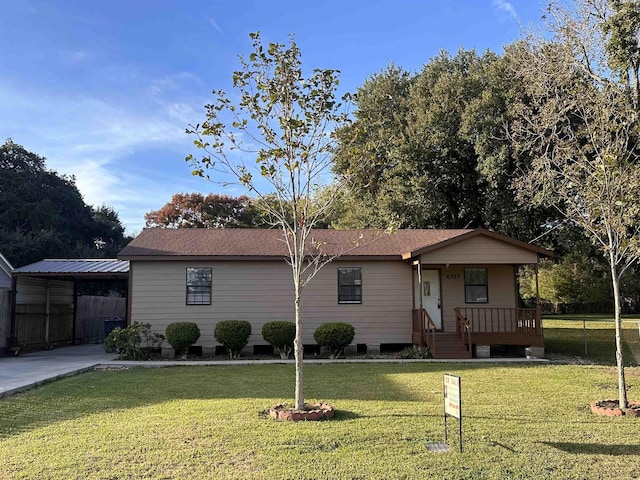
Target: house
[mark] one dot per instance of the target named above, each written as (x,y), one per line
(453,290)
(5,301)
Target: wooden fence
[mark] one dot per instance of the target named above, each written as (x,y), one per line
(92,312)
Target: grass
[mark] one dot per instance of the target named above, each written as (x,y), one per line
(520,422)
(564,334)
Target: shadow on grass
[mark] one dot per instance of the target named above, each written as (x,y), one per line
(111,391)
(595,449)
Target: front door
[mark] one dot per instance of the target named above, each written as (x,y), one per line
(431,295)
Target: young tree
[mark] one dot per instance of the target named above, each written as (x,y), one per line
(282,122)
(580,124)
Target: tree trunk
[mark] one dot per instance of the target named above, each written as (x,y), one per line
(622,385)
(298,352)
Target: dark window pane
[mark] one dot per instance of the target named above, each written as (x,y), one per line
(199,286)
(349,285)
(475,294)
(475,276)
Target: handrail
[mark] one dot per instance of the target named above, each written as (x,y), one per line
(503,320)
(462,326)
(430,332)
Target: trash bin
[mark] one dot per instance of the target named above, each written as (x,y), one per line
(113,322)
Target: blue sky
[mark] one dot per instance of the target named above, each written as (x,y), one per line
(105,90)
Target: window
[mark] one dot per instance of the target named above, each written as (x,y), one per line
(476,285)
(349,285)
(198,286)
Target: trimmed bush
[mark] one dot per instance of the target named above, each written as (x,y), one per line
(281,336)
(335,336)
(181,335)
(135,342)
(234,335)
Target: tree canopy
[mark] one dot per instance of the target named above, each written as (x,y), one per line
(195,210)
(44,215)
(433,150)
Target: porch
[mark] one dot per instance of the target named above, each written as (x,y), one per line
(478,326)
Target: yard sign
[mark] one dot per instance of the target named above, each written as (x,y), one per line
(452,403)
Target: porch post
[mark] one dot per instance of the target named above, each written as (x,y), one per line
(420,282)
(47,313)
(538,316)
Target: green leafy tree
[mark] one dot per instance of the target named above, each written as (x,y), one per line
(44,215)
(580,125)
(282,121)
(432,150)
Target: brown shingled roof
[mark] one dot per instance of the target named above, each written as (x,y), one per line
(228,242)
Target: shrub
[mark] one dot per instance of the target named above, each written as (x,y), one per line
(135,342)
(181,335)
(234,335)
(415,352)
(335,336)
(281,336)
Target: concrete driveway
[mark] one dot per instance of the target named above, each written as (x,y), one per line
(29,370)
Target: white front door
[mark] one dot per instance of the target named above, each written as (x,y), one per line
(430,289)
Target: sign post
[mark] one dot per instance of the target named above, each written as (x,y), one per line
(452,404)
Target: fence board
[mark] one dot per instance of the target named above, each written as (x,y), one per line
(92,311)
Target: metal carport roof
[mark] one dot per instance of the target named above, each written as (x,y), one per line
(98,267)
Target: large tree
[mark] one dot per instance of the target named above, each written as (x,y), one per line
(44,215)
(432,149)
(580,125)
(281,124)
(195,210)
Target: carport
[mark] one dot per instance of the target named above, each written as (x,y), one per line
(45,302)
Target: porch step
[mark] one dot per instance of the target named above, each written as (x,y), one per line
(448,345)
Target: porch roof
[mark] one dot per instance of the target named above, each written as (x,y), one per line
(475,233)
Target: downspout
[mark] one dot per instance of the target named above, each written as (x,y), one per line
(127,313)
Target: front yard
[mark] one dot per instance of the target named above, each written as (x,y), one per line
(564,335)
(520,421)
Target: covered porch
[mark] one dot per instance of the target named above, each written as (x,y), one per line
(466,297)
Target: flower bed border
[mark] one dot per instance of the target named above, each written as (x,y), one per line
(314,412)
(601,408)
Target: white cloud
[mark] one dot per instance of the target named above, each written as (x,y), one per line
(127,152)
(213,23)
(507,7)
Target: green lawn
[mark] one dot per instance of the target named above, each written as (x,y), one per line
(520,421)
(564,334)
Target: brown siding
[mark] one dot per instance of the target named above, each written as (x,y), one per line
(480,250)
(262,291)
(501,290)
(34,291)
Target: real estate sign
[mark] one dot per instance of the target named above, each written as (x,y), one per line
(452,395)
(452,404)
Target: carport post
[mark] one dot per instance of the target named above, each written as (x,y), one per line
(48,311)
